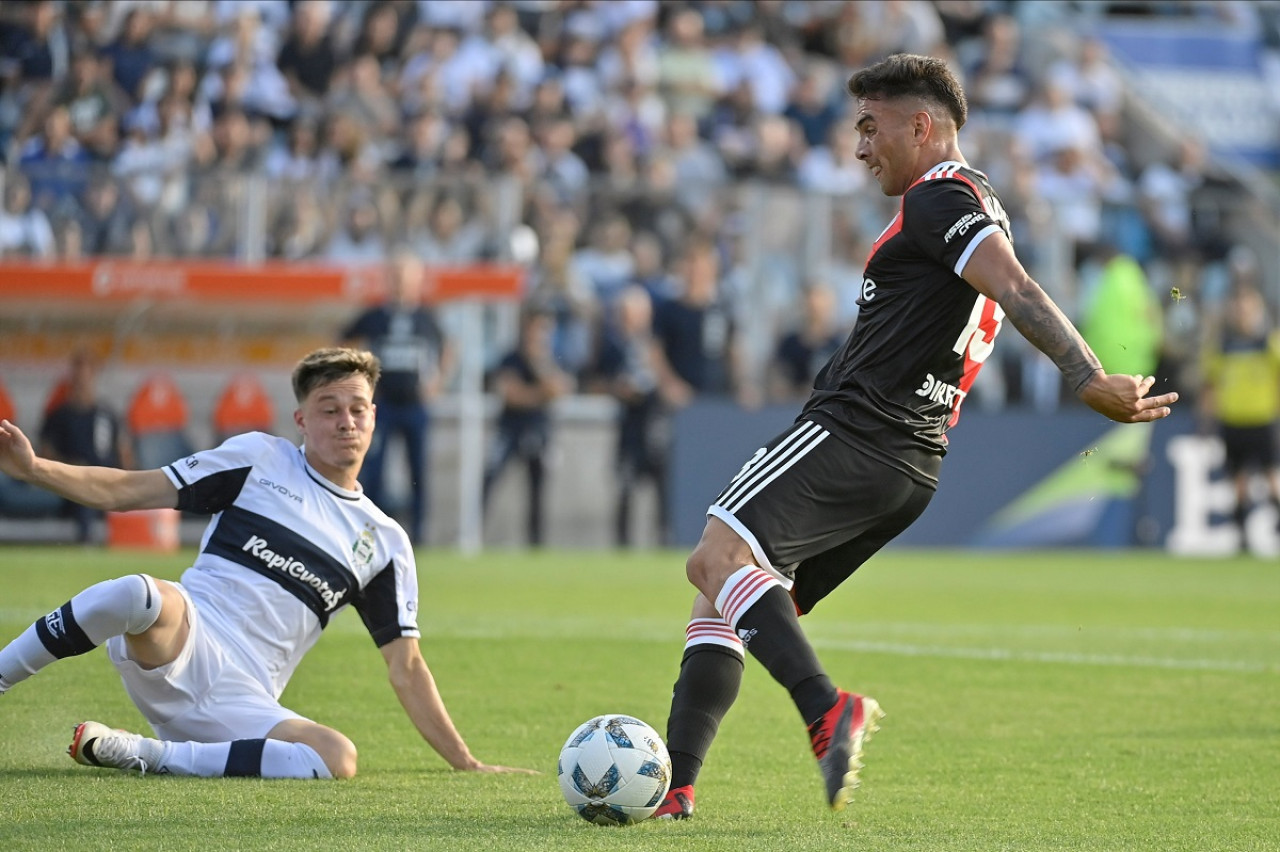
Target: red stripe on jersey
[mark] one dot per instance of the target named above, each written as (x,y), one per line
(950,171)
(887,234)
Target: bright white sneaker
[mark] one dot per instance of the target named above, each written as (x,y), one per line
(94,744)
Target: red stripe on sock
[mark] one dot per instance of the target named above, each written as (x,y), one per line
(742,592)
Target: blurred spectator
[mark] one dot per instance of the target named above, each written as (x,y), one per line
(699,168)
(359,94)
(297,158)
(1241,396)
(348,150)
(422,151)
(235,146)
(686,71)
(628,367)
(731,129)
(631,58)
(606,261)
(449,72)
(417,362)
(1075,182)
(1167,194)
(561,291)
(751,61)
(813,107)
(998,82)
(105,219)
(156,167)
(450,236)
(56,165)
(638,115)
(299,232)
(358,238)
(130,56)
(563,171)
(775,152)
(82,429)
(583,92)
(515,51)
(384,32)
(833,167)
(307,58)
(242,63)
(38,44)
(1091,79)
(805,350)
(511,152)
(1053,121)
(93,102)
(650,269)
(696,329)
(526,381)
(24,229)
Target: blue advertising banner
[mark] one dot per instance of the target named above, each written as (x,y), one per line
(1016,479)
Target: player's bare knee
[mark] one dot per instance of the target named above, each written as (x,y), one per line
(706,570)
(342,756)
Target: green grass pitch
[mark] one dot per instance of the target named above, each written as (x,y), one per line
(1037,701)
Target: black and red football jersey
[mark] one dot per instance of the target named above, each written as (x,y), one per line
(922,332)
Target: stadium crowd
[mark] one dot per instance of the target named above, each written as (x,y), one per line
(644,143)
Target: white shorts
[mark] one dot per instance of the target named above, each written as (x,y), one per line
(205,695)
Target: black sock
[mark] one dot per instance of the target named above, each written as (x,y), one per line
(771,631)
(705,690)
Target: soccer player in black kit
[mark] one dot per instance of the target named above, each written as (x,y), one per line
(861,461)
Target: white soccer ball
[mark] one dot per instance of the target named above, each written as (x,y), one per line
(614,770)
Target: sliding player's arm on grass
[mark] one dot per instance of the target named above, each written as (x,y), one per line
(416,689)
(107,488)
(995,271)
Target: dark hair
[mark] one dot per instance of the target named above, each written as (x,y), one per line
(906,75)
(324,366)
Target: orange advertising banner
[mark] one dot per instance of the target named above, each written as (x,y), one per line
(124,280)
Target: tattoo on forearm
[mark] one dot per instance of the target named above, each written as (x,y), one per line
(1040,321)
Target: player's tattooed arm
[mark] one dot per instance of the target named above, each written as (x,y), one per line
(1042,323)
(995,271)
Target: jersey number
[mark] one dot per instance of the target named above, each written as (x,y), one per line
(979,337)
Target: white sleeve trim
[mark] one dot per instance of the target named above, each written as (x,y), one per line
(973,245)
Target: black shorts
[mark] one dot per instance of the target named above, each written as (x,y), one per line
(813,508)
(1249,448)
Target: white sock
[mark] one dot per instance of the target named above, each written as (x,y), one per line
(123,605)
(243,758)
(740,592)
(712,631)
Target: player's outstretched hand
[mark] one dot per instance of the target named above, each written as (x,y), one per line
(1123,398)
(17,458)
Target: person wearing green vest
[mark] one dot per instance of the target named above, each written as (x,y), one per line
(1122,321)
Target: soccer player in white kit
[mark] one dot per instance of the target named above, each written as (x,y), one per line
(292,541)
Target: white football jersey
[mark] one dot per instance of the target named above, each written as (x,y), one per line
(286,550)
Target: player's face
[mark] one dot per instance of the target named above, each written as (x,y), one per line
(885,137)
(336,422)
